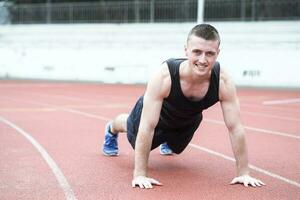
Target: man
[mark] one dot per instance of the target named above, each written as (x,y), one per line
(170,111)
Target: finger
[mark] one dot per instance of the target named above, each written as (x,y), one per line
(234,181)
(133,184)
(246,183)
(155,182)
(252,183)
(147,185)
(257,183)
(141,185)
(262,183)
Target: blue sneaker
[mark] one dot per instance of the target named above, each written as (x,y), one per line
(165,149)
(110,145)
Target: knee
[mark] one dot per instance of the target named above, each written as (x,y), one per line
(123,116)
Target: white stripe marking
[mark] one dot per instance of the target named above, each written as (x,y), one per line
(271,116)
(85,114)
(69,194)
(257,129)
(283,101)
(277,108)
(268,173)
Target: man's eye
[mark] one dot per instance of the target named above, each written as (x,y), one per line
(210,53)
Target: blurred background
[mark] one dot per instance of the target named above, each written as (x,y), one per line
(114,41)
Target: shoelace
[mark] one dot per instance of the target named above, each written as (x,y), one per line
(165,147)
(112,141)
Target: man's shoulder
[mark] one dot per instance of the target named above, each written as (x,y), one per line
(161,77)
(164,70)
(224,76)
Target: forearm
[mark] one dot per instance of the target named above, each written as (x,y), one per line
(142,151)
(239,147)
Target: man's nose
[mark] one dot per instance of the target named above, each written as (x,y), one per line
(202,58)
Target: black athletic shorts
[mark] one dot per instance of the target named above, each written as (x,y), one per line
(177,140)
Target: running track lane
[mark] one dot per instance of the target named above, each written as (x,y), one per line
(92,175)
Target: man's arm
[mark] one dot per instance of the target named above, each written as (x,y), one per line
(157,89)
(231,113)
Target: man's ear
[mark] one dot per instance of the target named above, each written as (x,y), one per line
(218,51)
(186,50)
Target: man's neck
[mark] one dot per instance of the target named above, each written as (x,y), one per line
(186,74)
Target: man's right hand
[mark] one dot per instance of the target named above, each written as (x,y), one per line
(144,182)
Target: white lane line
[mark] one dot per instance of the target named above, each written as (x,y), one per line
(73,98)
(266,172)
(271,116)
(69,194)
(39,85)
(282,101)
(85,114)
(281,116)
(277,108)
(257,129)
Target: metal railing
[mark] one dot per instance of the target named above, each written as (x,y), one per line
(252,10)
(150,11)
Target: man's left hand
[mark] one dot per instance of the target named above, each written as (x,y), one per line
(247,180)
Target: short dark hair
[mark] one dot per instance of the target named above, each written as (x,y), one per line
(205,31)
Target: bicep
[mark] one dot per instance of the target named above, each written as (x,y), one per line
(157,89)
(230,104)
(150,113)
(231,114)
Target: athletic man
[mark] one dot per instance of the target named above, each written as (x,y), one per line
(170,111)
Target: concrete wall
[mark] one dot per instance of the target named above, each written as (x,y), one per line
(264,54)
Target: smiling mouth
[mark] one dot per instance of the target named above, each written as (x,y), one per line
(200,67)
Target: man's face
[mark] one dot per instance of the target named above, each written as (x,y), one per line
(202,54)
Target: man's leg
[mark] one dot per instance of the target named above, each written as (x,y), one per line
(112,129)
(179,141)
(119,124)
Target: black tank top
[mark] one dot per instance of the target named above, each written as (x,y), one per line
(177,110)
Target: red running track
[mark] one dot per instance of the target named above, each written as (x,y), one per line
(51,136)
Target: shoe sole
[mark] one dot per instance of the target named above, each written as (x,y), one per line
(110,155)
(165,154)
